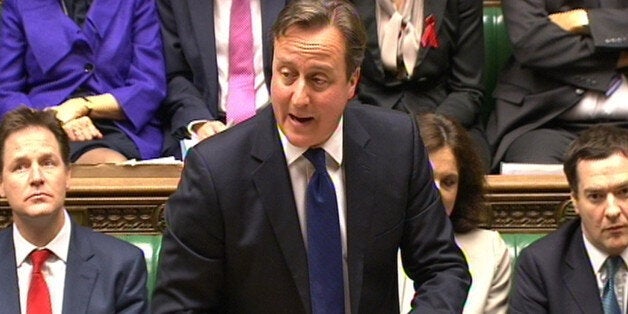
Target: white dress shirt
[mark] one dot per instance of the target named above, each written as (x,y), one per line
(597,259)
(300,172)
(53,269)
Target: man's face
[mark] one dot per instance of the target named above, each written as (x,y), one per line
(34,177)
(310,89)
(602,202)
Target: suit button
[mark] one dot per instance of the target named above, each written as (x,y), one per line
(88,67)
(579,91)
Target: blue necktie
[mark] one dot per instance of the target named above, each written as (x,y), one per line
(324,251)
(609,298)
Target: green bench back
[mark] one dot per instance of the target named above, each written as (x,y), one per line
(150,244)
(497,50)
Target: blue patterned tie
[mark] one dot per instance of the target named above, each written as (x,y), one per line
(609,298)
(324,251)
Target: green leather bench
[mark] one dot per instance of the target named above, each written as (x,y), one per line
(151,245)
(496,50)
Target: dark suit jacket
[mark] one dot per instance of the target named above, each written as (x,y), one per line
(190,50)
(447,80)
(551,70)
(103,275)
(234,244)
(554,275)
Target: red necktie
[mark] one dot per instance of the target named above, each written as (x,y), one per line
(241,94)
(38,294)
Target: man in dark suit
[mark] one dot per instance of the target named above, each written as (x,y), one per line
(239,238)
(195,100)
(563,77)
(86,271)
(566,271)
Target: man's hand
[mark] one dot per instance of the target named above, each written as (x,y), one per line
(574,21)
(209,128)
(81,129)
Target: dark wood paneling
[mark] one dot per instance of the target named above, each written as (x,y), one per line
(125,199)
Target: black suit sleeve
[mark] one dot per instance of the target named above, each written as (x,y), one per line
(190,275)
(184,102)
(528,294)
(572,59)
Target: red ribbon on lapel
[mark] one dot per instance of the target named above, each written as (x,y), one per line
(429,38)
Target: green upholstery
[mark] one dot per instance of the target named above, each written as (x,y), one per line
(497,50)
(518,241)
(150,244)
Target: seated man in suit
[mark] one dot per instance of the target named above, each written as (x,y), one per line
(48,263)
(579,267)
(246,231)
(564,76)
(202,56)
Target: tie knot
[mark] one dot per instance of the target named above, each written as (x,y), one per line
(317,157)
(613,263)
(38,257)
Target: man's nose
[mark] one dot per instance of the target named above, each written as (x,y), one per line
(36,175)
(300,95)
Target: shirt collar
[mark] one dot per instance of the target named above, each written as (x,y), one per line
(597,256)
(59,245)
(333,146)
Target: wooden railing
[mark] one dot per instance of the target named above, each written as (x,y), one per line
(130,199)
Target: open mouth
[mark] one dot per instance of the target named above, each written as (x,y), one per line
(299,119)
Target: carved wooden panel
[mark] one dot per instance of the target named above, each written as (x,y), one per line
(116,199)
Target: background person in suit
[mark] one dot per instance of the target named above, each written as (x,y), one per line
(88,272)
(239,235)
(565,272)
(196,44)
(98,64)
(438,66)
(562,77)
(460,181)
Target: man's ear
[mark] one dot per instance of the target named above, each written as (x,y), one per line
(574,201)
(353,82)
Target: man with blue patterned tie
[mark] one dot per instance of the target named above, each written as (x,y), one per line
(303,208)
(581,267)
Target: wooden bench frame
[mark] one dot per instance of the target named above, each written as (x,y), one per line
(130,199)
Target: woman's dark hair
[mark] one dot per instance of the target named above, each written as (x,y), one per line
(438,131)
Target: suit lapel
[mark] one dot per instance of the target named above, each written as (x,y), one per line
(579,279)
(437,10)
(272,181)
(81,273)
(51,46)
(9,293)
(201,21)
(357,163)
(98,23)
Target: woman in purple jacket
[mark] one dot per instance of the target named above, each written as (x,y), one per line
(98,63)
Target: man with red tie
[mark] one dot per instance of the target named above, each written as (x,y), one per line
(48,263)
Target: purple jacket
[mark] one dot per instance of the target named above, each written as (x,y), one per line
(45,56)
